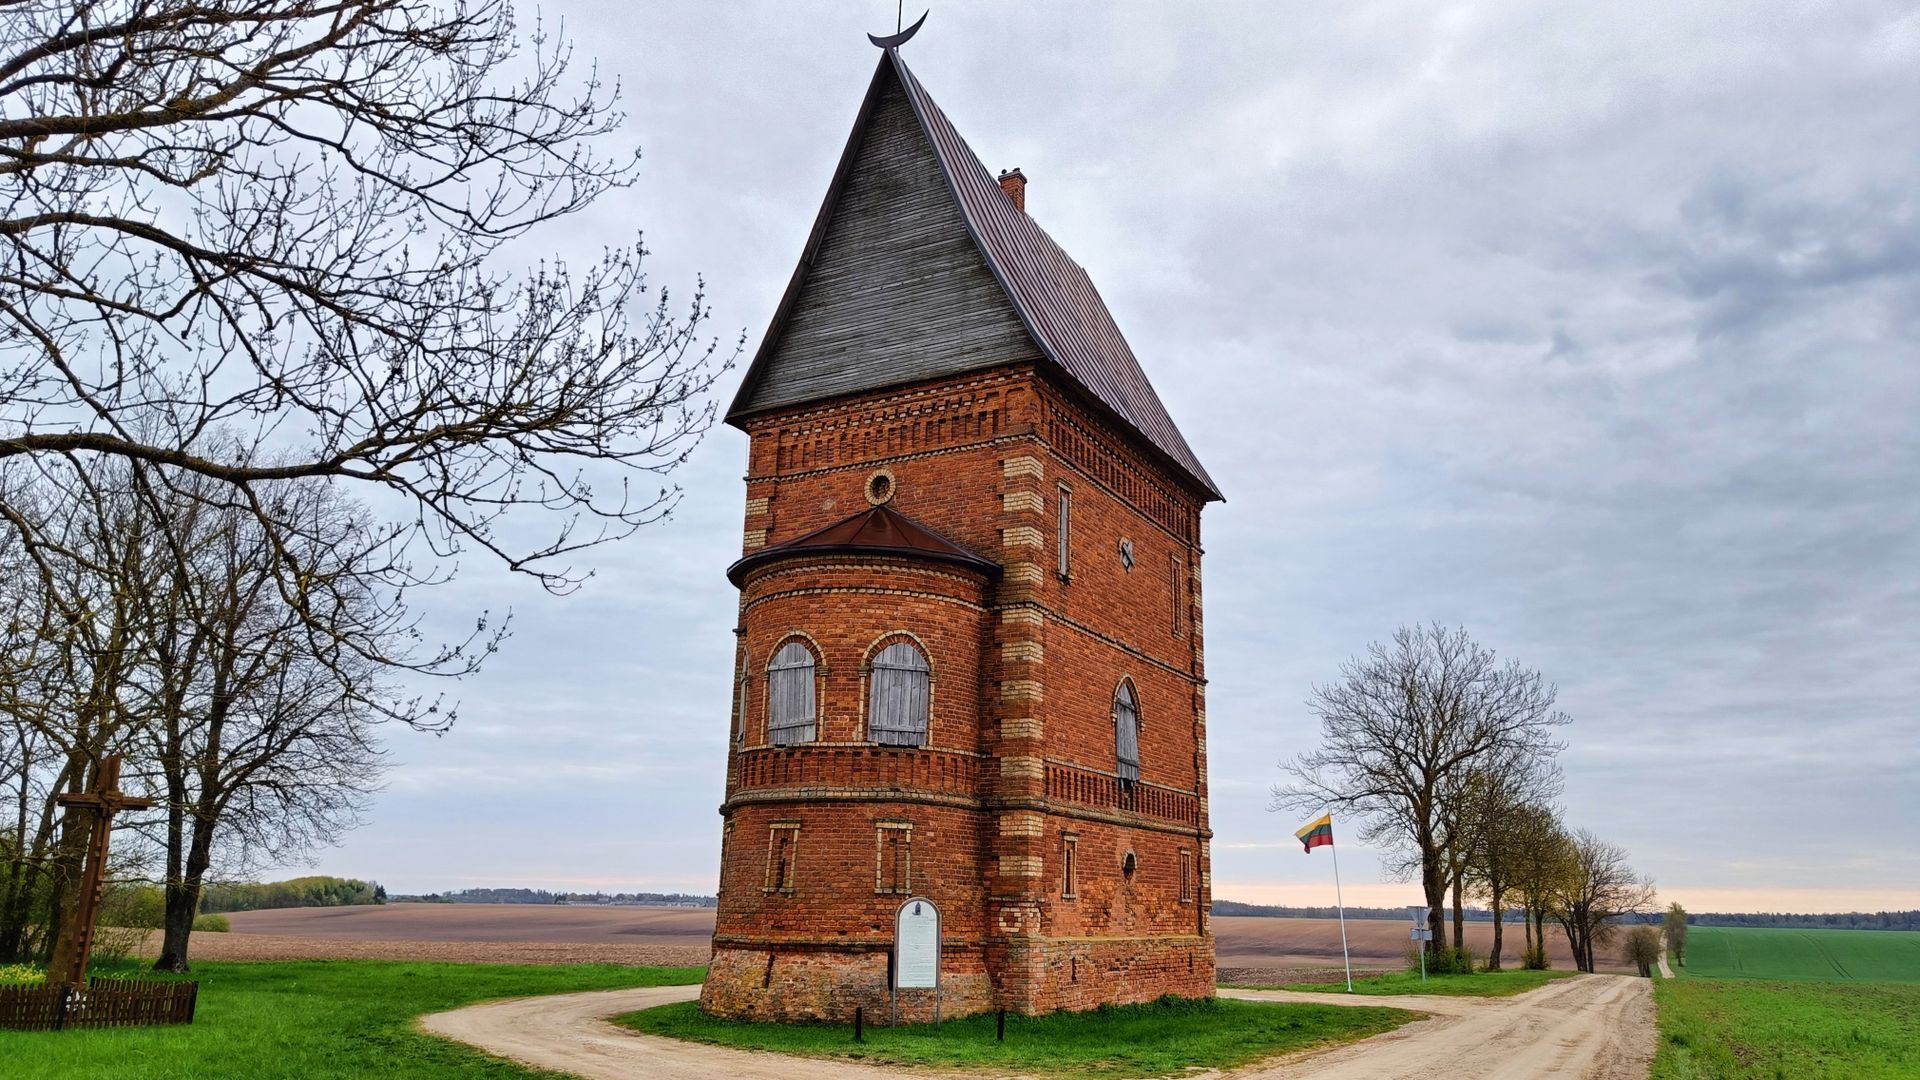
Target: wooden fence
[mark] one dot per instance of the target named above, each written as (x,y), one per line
(102,1003)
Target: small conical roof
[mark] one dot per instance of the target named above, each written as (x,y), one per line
(876,531)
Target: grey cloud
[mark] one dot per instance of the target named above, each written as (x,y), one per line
(1596,331)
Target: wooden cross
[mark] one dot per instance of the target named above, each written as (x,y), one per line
(100,802)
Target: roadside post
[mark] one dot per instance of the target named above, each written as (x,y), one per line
(1422,933)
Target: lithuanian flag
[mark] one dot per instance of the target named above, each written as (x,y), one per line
(1317,833)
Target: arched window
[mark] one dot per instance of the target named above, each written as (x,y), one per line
(1126,731)
(790,709)
(897,696)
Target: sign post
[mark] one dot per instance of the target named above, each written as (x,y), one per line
(1422,933)
(916,951)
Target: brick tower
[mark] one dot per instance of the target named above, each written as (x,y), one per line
(969,660)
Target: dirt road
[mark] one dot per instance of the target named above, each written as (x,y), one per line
(1595,1027)
(568,1032)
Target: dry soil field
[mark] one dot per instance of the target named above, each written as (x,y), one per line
(1247,942)
(1249,949)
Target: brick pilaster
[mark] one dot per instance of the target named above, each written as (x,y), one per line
(1019,866)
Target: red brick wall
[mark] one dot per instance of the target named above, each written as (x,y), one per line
(1021,740)
(844,607)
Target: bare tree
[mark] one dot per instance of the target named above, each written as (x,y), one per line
(1673,927)
(170,642)
(1643,948)
(262,735)
(73,632)
(1403,728)
(1599,889)
(250,245)
(252,241)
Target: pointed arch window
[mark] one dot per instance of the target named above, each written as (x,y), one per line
(1126,731)
(790,695)
(898,696)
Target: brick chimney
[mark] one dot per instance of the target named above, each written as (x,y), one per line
(1014,183)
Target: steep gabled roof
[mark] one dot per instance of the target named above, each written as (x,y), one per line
(1049,293)
(878,531)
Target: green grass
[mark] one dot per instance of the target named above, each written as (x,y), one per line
(1158,1039)
(1503,983)
(1735,1029)
(1739,952)
(315,1019)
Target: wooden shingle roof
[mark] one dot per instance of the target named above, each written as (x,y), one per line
(1050,294)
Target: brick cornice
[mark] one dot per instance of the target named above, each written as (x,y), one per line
(762,796)
(914,398)
(863,590)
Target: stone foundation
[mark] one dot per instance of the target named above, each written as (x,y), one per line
(1092,972)
(827,984)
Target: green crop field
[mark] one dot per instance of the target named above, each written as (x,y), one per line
(1727,952)
(1764,1003)
(1752,1029)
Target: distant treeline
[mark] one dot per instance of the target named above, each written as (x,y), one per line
(542,896)
(1398,914)
(1850,920)
(297,892)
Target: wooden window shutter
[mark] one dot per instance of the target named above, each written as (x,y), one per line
(1126,732)
(897,696)
(790,687)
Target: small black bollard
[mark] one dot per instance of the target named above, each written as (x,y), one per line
(1000,1027)
(859,1024)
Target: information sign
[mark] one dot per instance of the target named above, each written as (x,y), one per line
(916,945)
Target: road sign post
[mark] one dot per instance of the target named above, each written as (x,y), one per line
(1422,933)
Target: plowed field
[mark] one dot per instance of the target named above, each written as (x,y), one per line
(1249,949)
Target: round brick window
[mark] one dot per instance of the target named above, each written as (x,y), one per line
(880,487)
(1128,865)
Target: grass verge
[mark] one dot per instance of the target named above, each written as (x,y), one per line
(1484,984)
(1157,1039)
(1741,1028)
(315,1020)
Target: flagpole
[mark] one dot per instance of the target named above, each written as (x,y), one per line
(1341,901)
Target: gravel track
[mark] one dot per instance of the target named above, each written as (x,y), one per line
(1593,1027)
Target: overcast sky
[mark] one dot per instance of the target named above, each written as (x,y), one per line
(1596,332)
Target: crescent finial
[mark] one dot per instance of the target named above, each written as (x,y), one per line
(894,41)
